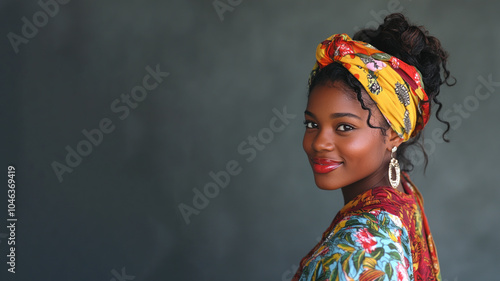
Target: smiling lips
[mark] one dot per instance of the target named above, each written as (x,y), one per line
(323,166)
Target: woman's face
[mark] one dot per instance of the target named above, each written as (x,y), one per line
(343,150)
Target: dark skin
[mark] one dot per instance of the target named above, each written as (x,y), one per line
(337,130)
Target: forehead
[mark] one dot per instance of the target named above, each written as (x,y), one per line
(336,97)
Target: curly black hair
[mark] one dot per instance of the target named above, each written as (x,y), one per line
(411,44)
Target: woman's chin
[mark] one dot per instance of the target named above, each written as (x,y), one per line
(323,184)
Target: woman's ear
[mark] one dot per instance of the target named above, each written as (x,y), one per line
(393,139)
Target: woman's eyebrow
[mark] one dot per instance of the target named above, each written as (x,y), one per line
(344,114)
(307,112)
(335,115)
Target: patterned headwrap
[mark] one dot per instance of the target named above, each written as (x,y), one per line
(395,86)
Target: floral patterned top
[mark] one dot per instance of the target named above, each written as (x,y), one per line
(382,234)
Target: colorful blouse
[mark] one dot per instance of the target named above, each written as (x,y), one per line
(382,234)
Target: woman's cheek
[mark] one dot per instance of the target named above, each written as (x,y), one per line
(361,145)
(357,144)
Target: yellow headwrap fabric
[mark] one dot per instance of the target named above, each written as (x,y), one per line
(395,87)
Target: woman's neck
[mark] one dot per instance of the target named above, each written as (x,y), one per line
(351,191)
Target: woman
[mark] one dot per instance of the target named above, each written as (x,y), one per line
(369,100)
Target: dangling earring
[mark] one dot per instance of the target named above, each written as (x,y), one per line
(394,164)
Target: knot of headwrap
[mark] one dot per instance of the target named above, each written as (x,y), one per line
(395,87)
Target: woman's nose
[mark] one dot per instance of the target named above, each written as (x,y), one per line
(323,141)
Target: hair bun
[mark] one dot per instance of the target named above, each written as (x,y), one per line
(413,45)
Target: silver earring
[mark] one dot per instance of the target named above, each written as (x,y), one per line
(394,164)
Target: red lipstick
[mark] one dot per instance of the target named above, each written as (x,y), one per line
(323,165)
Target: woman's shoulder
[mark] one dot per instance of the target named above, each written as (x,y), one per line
(366,244)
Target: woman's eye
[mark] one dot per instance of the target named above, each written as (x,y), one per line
(310,125)
(345,127)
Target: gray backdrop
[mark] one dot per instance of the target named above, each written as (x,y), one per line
(134,150)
